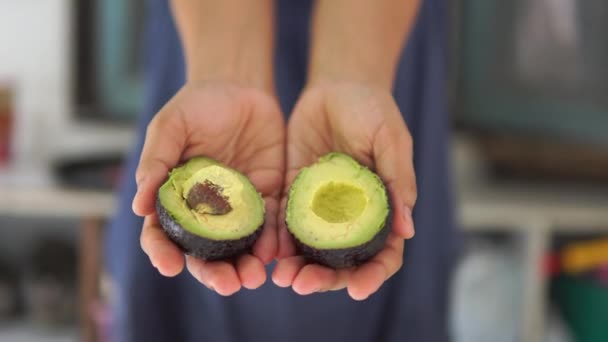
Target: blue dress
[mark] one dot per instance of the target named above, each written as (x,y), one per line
(411,306)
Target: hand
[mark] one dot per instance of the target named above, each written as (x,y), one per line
(364,122)
(239,126)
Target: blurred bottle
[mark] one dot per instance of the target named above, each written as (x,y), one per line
(6,122)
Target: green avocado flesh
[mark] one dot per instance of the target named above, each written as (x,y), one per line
(211,200)
(336,203)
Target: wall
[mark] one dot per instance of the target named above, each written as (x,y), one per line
(35,58)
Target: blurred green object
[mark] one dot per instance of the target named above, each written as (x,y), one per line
(536,68)
(584,305)
(119,36)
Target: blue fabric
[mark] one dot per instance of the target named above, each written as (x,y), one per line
(411,306)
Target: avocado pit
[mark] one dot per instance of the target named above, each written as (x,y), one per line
(208,198)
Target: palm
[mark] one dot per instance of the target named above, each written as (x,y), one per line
(328,119)
(230,124)
(365,123)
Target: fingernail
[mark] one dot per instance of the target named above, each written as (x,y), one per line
(133,208)
(139,181)
(407,217)
(139,184)
(136,193)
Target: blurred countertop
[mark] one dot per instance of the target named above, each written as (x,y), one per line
(31,191)
(25,332)
(487,204)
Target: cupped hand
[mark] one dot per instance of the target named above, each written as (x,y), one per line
(238,126)
(364,122)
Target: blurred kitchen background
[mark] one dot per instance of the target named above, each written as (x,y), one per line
(528,92)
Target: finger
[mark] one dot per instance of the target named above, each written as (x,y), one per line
(251,271)
(286,270)
(391,257)
(312,278)
(286,246)
(393,156)
(194,266)
(217,275)
(368,278)
(164,143)
(265,248)
(163,254)
(316,278)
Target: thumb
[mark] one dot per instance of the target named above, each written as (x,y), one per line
(393,156)
(163,146)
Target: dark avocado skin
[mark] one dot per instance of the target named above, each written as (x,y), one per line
(201,247)
(347,257)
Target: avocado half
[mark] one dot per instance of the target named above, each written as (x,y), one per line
(209,210)
(338,212)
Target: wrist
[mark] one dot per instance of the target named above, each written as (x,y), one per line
(328,67)
(349,83)
(319,76)
(252,73)
(227,41)
(359,40)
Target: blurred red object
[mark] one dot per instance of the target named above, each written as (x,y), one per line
(551,265)
(6,122)
(602,274)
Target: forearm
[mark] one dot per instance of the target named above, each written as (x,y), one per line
(359,40)
(228,40)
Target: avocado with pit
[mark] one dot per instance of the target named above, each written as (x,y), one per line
(338,212)
(209,210)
